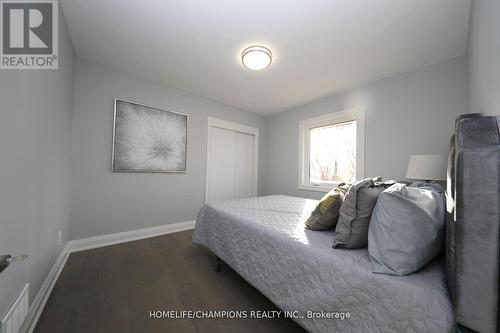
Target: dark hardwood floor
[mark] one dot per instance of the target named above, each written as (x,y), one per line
(114,288)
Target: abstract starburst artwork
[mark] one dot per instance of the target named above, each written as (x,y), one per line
(148,139)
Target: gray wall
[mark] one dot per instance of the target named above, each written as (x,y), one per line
(35,179)
(104,202)
(409,114)
(484,57)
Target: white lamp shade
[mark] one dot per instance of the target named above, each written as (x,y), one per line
(427,167)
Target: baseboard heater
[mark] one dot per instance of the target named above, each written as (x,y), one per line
(13,320)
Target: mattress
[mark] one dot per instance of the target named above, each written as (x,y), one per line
(264,240)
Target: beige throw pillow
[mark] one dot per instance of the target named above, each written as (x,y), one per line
(326,213)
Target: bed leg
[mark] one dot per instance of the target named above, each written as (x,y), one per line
(217,265)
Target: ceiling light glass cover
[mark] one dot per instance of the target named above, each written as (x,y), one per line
(256,57)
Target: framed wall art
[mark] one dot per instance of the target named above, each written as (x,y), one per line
(148,139)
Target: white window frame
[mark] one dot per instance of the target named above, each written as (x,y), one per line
(355,114)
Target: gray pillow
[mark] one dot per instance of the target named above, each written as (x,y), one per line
(354,216)
(406,229)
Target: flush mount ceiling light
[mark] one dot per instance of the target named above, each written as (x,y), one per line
(256,57)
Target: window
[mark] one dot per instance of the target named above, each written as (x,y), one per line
(331,150)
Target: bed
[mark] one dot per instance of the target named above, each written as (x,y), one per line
(264,240)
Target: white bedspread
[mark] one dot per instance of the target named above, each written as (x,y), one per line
(265,241)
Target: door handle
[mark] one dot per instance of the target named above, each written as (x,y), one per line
(6,259)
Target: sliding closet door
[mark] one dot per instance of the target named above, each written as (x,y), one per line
(231,161)
(222,164)
(243,165)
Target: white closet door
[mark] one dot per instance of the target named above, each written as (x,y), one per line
(243,165)
(231,161)
(222,164)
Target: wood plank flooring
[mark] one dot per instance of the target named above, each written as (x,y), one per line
(113,289)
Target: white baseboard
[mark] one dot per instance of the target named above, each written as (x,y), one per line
(77,245)
(127,236)
(41,298)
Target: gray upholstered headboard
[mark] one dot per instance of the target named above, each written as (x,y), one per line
(472,226)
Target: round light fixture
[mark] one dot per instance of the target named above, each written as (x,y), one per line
(256,57)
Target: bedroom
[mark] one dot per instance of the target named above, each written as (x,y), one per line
(148,144)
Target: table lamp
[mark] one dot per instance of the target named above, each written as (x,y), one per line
(427,167)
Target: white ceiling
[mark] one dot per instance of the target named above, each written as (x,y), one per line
(320,46)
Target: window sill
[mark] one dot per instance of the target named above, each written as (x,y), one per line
(318,188)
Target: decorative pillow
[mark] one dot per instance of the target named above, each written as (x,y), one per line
(355,213)
(406,230)
(326,213)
